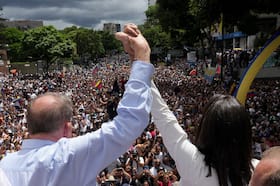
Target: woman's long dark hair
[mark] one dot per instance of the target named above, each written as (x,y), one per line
(224,137)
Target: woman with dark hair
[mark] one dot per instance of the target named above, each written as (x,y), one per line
(221,155)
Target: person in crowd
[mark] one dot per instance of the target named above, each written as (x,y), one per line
(121,176)
(101,178)
(267,172)
(91,103)
(162,178)
(112,106)
(145,176)
(51,157)
(135,161)
(156,166)
(222,152)
(167,163)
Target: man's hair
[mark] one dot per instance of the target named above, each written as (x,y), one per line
(272,152)
(274,178)
(224,137)
(47,120)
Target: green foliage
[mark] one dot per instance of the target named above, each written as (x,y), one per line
(46,43)
(153,31)
(12,38)
(69,30)
(152,15)
(196,17)
(15,52)
(89,45)
(170,24)
(156,37)
(109,42)
(10,35)
(175,18)
(238,13)
(191,21)
(173,14)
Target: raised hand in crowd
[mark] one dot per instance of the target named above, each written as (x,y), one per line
(134,43)
(222,153)
(51,157)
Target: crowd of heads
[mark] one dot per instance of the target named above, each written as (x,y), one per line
(95,93)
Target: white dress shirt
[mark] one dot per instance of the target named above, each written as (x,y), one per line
(3,179)
(189,160)
(77,161)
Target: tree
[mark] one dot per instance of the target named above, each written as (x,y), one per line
(154,33)
(12,37)
(242,14)
(1,27)
(89,45)
(175,18)
(69,31)
(48,44)
(109,42)
(157,38)
(239,13)
(152,15)
(194,18)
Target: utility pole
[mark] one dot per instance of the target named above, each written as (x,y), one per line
(223,46)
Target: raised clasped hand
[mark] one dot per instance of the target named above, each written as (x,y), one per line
(134,43)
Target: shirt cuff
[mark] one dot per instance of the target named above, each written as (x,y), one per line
(142,71)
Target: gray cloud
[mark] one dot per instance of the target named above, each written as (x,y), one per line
(86,13)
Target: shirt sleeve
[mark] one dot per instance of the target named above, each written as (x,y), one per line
(174,137)
(3,179)
(94,151)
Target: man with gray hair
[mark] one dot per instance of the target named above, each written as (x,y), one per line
(51,157)
(267,172)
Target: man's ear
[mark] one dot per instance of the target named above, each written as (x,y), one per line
(67,132)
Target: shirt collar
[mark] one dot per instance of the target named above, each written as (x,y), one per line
(35,143)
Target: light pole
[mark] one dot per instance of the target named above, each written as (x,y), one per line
(223,46)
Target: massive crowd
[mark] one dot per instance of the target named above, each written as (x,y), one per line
(95,93)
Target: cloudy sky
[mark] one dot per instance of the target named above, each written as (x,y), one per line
(85,13)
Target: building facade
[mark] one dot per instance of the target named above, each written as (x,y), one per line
(235,39)
(111,27)
(21,24)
